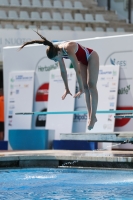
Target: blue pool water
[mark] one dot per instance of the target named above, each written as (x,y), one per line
(65,184)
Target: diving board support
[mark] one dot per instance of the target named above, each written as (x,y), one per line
(75,112)
(126,137)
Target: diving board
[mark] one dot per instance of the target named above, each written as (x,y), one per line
(99,137)
(76,112)
(124,116)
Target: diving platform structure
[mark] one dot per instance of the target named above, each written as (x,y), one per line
(116,137)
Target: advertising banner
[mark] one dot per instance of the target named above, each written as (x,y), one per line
(125,92)
(60,123)
(107,87)
(20,98)
(42,69)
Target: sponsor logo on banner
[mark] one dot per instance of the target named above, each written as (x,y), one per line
(10,123)
(107,126)
(41,119)
(112,90)
(80,117)
(105,72)
(12,101)
(23,78)
(58,78)
(10,112)
(109,78)
(20,80)
(110,118)
(121,63)
(124,90)
(114,84)
(17,91)
(112,104)
(26,85)
(111,97)
(42,67)
(114,73)
(124,60)
(42,92)
(106,84)
(11,93)
(12,79)
(11,106)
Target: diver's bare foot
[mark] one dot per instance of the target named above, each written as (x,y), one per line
(91,123)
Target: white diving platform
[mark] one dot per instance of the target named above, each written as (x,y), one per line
(124,116)
(123,137)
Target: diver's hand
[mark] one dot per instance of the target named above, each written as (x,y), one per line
(67,91)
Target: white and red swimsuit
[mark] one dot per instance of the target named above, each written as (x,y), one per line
(82,54)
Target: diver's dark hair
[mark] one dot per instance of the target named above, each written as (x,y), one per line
(52,49)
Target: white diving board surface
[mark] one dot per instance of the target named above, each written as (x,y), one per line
(124,116)
(126,137)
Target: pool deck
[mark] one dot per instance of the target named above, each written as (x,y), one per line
(65,158)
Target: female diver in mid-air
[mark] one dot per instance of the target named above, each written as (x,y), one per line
(86,64)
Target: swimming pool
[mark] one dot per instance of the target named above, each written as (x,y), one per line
(65,184)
